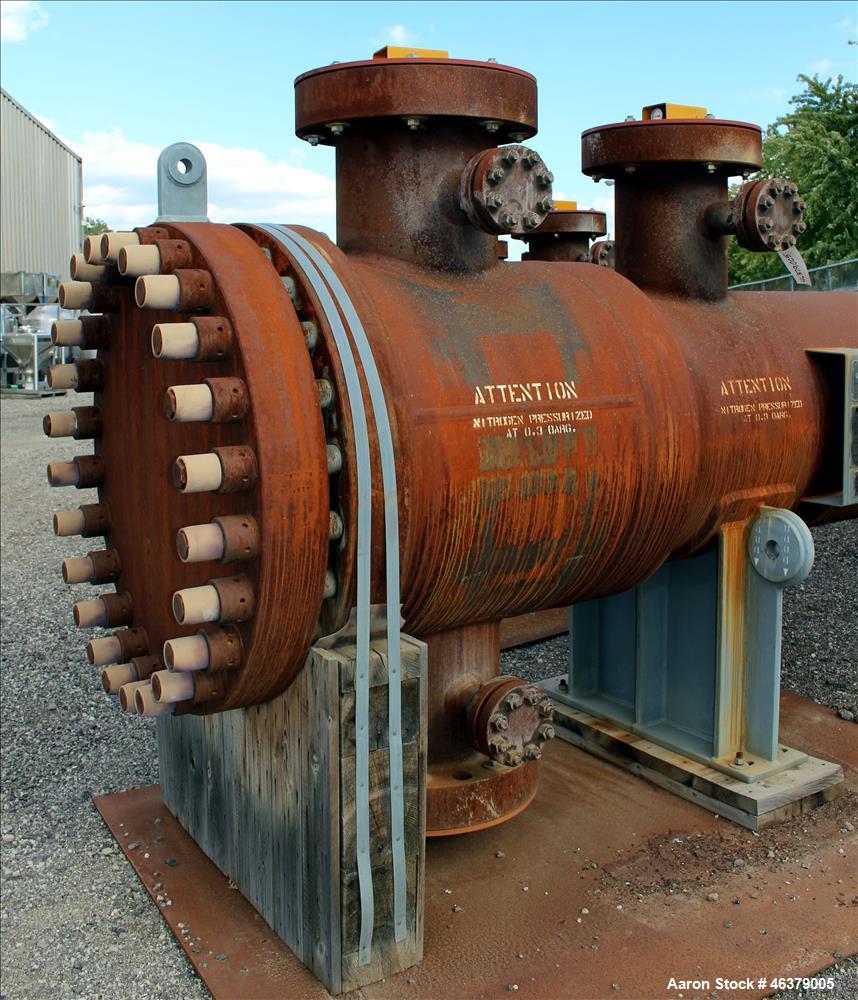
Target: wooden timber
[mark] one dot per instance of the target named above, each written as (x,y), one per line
(268,794)
(754,805)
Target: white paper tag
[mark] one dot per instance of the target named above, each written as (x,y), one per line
(794,263)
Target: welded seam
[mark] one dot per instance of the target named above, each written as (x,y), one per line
(391,538)
(364,540)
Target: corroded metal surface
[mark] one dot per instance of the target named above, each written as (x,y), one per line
(415,88)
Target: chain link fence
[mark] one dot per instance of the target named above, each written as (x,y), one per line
(840,277)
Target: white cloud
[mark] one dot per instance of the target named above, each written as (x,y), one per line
(20,18)
(394,34)
(822,66)
(244,185)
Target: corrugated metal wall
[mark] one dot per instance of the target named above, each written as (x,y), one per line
(41,195)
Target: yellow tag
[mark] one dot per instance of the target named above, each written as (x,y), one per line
(401,52)
(672,111)
(565,206)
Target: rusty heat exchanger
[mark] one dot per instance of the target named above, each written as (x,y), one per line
(557,430)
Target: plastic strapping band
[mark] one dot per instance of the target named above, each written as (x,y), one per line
(364,539)
(391,539)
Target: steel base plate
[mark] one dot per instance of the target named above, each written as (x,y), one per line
(474,793)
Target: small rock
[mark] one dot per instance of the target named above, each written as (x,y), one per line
(8,838)
(499,854)
(770,854)
(837,956)
(584,910)
(106,850)
(411,982)
(457,908)
(512,987)
(804,864)
(221,958)
(847,828)
(713,897)
(77,965)
(448,892)
(615,987)
(738,862)
(728,924)
(525,888)
(844,713)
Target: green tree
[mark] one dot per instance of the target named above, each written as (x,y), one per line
(816,146)
(94,227)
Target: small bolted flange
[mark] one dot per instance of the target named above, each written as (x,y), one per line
(507,190)
(509,720)
(768,215)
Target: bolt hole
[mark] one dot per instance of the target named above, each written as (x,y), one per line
(773,550)
(184,166)
(463,775)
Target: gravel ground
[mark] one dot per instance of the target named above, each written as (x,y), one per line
(75,920)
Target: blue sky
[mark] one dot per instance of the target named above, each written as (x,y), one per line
(118,81)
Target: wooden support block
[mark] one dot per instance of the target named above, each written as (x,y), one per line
(754,805)
(268,793)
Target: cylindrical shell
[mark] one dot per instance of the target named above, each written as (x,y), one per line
(200,542)
(76,294)
(112,243)
(189,403)
(67,333)
(240,534)
(230,399)
(109,610)
(146,665)
(124,645)
(92,249)
(81,423)
(90,614)
(60,424)
(330,585)
(135,261)
(175,340)
(146,703)
(189,652)
(88,332)
(115,677)
(336,527)
(96,519)
(197,473)
(173,686)
(215,336)
(174,255)
(62,377)
(78,570)
(68,522)
(127,692)
(63,474)
(106,566)
(236,598)
(105,650)
(85,375)
(157,291)
(90,471)
(196,292)
(80,270)
(195,605)
(239,468)
(226,650)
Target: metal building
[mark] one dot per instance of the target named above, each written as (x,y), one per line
(41,195)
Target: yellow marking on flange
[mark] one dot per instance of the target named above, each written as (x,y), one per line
(565,206)
(673,111)
(403,52)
